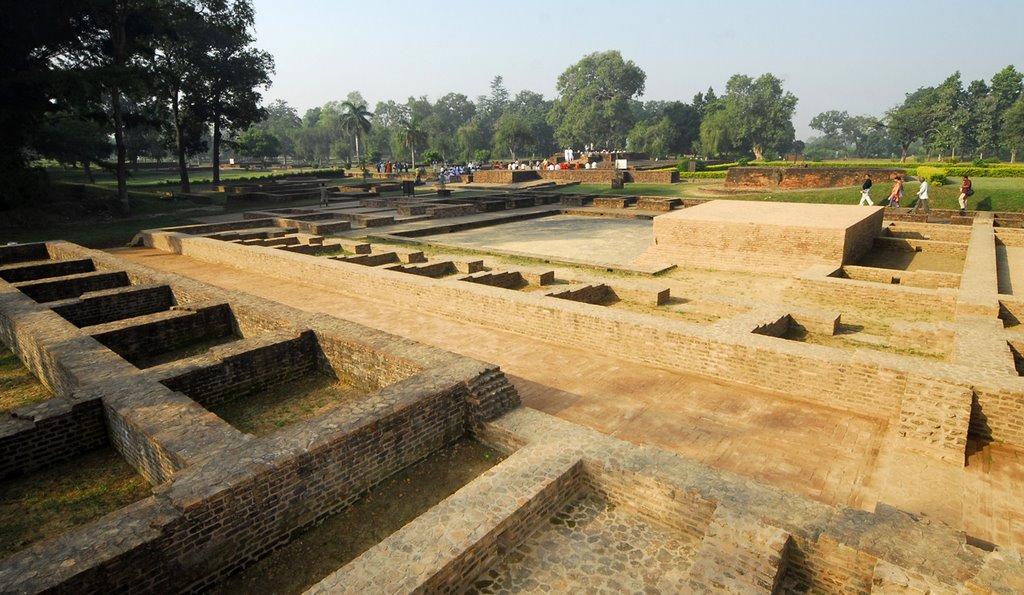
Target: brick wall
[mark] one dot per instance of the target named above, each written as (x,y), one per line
(72,286)
(136,339)
(23,253)
(927,279)
(939,304)
(247,372)
(934,419)
(55,430)
(739,554)
(681,345)
(686,512)
(45,270)
(115,304)
(789,178)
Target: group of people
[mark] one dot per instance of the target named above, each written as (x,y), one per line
(387,167)
(966,190)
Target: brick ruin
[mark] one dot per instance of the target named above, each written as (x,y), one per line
(794,178)
(91,326)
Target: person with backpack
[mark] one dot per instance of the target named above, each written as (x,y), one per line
(965,191)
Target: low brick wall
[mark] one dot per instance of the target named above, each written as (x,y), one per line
(23,252)
(115,304)
(832,377)
(137,339)
(904,244)
(14,274)
(56,430)
(72,286)
(250,371)
(791,178)
(927,279)
(941,304)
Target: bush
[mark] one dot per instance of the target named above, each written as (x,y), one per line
(742,162)
(934,175)
(703,175)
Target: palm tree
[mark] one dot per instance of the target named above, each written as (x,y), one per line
(356,121)
(410,134)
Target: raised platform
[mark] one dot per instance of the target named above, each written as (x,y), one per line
(752,236)
(790,178)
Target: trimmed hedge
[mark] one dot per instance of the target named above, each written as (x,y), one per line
(935,175)
(703,175)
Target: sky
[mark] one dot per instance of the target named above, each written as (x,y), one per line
(862,57)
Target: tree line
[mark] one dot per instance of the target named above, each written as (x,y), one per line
(101,82)
(110,82)
(983,120)
(598,105)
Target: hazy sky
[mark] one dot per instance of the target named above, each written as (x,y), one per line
(862,57)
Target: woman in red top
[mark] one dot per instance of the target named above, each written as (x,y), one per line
(965,191)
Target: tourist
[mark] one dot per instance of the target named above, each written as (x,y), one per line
(965,191)
(897,192)
(922,195)
(323,195)
(865,192)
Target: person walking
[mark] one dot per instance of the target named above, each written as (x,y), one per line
(897,192)
(865,192)
(965,191)
(922,196)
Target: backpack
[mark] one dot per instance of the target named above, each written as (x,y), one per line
(970,192)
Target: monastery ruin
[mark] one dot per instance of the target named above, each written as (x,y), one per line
(756,398)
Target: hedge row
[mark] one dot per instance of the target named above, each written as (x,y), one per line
(703,175)
(334,171)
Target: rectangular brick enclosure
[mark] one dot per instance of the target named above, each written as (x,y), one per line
(752,236)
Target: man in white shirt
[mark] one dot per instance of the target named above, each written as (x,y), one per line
(922,195)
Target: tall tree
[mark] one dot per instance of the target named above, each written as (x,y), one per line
(755,115)
(114,36)
(1013,129)
(594,100)
(355,120)
(512,133)
(911,120)
(232,72)
(410,134)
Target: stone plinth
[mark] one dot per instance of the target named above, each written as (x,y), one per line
(753,236)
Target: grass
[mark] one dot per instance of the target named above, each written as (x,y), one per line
(990,194)
(18,386)
(267,411)
(49,502)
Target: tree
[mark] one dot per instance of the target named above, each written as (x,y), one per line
(37,45)
(651,137)
(231,72)
(911,119)
(259,144)
(533,110)
(594,100)
(355,120)
(114,37)
(283,122)
(1013,128)
(410,134)
(754,115)
(512,133)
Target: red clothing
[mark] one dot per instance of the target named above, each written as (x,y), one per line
(965,187)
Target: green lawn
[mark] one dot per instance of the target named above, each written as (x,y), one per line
(990,194)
